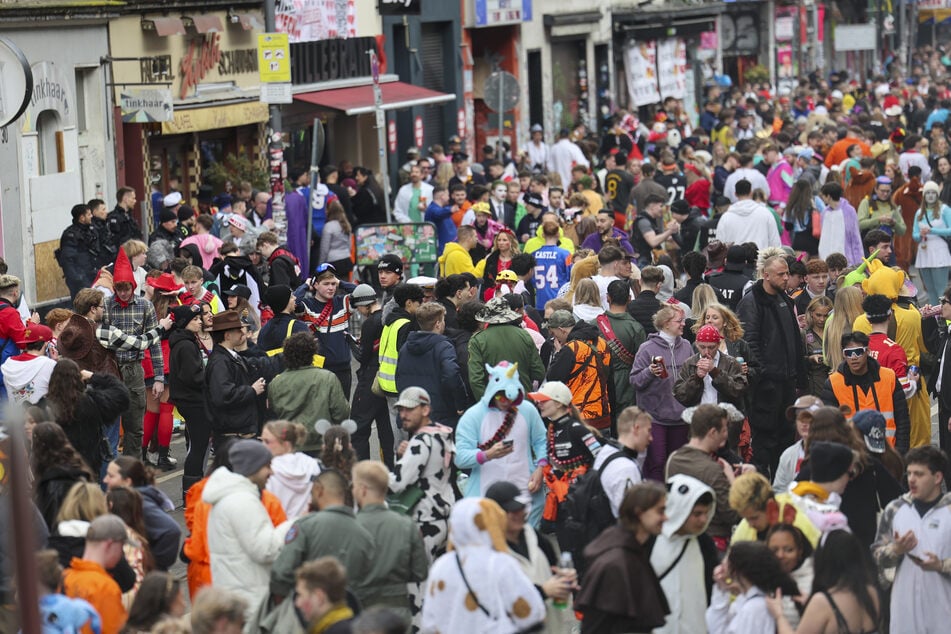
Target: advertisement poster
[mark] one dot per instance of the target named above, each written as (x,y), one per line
(312,20)
(414,242)
(671,68)
(640,61)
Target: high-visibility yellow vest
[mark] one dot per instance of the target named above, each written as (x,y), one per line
(388,355)
(879,398)
(318,361)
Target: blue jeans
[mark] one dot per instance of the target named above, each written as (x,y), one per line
(111,432)
(935,281)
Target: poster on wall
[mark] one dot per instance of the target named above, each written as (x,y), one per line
(786,71)
(312,20)
(414,242)
(671,68)
(640,65)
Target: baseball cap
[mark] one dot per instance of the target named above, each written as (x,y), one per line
(872,425)
(807,403)
(413,397)
(534,200)
(552,391)
(508,496)
(561,319)
(363,295)
(34,333)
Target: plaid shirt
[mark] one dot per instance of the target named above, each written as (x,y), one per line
(112,338)
(136,319)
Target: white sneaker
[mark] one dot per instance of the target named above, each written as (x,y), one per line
(153,457)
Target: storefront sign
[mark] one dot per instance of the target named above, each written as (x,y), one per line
(145,105)
(671,66)
(418,131)
(16,83)
(640,65)
(328,60)
(274,58)
(204,53)
(399,7)
(51,91)
(496,12)
(312,20)
(785,23)
(200,119)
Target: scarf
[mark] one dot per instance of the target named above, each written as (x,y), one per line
(337,613)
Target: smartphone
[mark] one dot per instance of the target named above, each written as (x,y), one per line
(915,558)
(508,443)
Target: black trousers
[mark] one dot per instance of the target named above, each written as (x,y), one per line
(198,425)
(345,376)
(367,407)
(944,436)
(772,432)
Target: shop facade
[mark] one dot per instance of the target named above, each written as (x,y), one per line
(59,153)
(206,66)
(566,57)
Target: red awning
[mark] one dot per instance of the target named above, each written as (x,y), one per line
(359,99)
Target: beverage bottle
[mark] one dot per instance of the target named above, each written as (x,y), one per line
(566,565)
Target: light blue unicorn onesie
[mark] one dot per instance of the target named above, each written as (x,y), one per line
(484,421)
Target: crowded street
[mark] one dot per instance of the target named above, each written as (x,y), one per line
(475,316)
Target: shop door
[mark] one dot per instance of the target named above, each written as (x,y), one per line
(432,56)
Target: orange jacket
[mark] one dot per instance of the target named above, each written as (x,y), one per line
(196,544)
(839,151)
(88,580)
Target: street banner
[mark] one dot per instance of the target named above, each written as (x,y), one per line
(672,67)
(640,62)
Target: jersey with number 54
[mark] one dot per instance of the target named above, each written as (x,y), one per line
(552,271)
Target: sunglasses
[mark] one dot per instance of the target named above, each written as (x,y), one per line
(852,353)
(326,266)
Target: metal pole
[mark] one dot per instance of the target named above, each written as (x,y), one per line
(384,163)
(22,515)
(316,150)
(270,25)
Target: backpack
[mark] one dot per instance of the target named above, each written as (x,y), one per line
(8,347)
(586,512)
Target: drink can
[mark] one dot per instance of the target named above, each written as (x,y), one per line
(740,360)
(663,366)
(913,369)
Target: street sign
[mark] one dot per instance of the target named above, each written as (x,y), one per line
(146,105)
(16,82)
(501,91)
(418,131)
(274,58)
(276,93)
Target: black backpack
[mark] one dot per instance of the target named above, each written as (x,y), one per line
(586,512)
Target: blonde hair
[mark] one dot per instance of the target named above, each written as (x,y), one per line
(587,293)
(732,328)
(373,474)
(444,174)
(665,314)
(133,248)
(583,268)
(287,431)
(750,491)
(702,296)
(846,306)
(630,417)
(85,501)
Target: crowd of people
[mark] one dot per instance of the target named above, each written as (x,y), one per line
(671,378)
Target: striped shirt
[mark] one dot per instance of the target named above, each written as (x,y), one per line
(135,319)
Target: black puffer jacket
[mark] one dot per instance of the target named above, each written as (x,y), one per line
(771,330)
(232,402)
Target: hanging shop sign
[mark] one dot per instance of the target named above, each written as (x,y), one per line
(16,82)
(145,105)
(399,7)
(204,54)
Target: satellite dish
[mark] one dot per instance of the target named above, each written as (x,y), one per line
(501,91)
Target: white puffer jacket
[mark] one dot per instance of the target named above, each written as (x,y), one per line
(242,540)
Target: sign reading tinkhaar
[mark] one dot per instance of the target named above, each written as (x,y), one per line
(146,105)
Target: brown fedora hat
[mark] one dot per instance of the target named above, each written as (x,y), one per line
(78,342)
(227,320)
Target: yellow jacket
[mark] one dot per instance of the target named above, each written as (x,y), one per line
(455,259)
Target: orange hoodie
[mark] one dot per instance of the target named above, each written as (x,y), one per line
(89,581)
(196,544)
